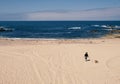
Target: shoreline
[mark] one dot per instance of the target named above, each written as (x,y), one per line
(108,36)
(22,41)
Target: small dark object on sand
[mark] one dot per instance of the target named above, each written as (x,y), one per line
(96,61)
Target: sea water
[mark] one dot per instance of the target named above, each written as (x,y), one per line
(57,29)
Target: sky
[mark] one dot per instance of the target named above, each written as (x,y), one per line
(39,10)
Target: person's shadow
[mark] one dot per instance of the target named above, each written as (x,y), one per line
(88,59)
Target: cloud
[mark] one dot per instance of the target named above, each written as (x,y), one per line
(92,14)
(12,17)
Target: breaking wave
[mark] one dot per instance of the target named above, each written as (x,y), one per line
(74,28)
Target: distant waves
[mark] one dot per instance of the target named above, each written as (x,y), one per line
(76,28)
(107,26)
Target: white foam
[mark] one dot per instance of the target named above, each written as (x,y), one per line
(75,28)
(96,25)
(117,26)
(105,26)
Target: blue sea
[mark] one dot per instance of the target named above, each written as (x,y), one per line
(57,29)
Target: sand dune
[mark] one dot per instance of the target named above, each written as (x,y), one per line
(59,62)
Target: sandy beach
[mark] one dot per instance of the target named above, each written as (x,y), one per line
(60,61)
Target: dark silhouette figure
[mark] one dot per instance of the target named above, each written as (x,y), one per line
(86,56)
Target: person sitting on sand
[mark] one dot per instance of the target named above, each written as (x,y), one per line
(86,56)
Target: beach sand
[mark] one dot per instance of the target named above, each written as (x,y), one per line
(59,61)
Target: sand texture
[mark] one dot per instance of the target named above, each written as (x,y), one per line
(60,61)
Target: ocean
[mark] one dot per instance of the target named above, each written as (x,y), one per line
(57,29)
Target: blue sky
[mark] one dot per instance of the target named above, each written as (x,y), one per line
(59,10)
